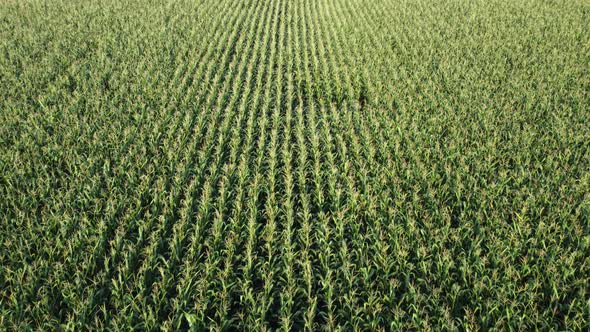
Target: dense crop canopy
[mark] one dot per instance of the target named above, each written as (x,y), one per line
(295,164)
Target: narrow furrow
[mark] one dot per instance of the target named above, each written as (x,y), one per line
(210,136)
(348,207)
(280,182)
(249,299)
(156,184)
(261,288)
(303,130)
(363,139)
(327,170)
(287,286)
(228,175)
(146,233)
(321,287)
(349,231)
(228,291)
(149,278)
(184,228)
(133,213)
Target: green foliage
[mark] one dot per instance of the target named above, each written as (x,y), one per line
(295,165)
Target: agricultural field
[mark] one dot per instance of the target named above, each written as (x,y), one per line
(383,165)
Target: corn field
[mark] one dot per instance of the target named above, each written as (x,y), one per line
(338,165)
